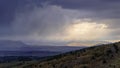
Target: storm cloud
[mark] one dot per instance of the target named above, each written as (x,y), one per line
(60,20)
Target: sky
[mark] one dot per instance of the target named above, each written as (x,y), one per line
(60,22)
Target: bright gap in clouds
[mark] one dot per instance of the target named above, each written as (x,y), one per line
(81,30)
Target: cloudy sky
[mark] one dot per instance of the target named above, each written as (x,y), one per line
(60,22)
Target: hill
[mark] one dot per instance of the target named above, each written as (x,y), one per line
(103,56)
(9,45)
(18,48)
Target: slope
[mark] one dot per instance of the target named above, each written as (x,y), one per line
(104,56)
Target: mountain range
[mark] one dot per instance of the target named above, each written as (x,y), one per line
(18,48)
(104,56)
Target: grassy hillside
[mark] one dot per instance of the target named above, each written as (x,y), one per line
(103,56)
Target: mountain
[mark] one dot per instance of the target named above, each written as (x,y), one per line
(54,48)
(6,45)
(104,56)
(17,48)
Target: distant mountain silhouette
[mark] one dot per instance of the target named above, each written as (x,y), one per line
(17,48)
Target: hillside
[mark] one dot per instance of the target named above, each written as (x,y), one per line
(103,56)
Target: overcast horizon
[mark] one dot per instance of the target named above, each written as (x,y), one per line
(60,22)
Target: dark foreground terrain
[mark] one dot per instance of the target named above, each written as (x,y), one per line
(103,56)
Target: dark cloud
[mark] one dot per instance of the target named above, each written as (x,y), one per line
(101,8)
(40,18)
(87,4)
(111,0)
(9,7)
